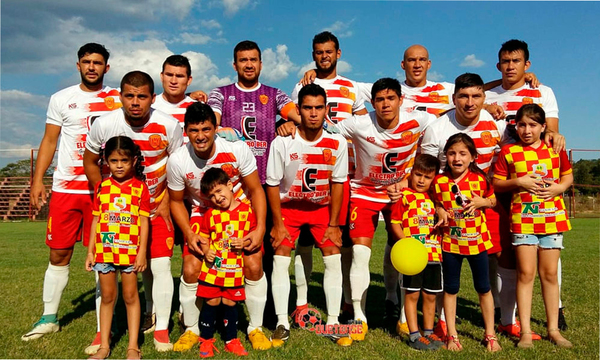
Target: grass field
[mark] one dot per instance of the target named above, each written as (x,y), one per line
(24,261)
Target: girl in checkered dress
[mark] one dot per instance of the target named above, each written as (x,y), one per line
(537,176)
(118,238)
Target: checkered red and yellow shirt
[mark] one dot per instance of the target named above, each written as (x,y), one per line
(119,208)
(529,214)
(415,212)
(221,226)
(465,234)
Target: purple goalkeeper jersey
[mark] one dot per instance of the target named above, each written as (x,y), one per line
(253,113)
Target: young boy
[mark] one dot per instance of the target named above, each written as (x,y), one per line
(414,216)
(221,279)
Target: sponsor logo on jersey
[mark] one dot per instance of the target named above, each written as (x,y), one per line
(231,98)
(327,155)
(531,208)
(120,202)
(190,176)
(540,169)
(72,106)
(309,177)
(371,139)
(154,141)
(294,157)
(116,218)
(264,99)
(390,162)
(249,127)
(108,237)
(426,207)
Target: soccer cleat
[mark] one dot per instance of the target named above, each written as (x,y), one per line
(402,328)
(149,323)
(161,341)
(207,347)
(344,341)
(441,331)
(515,331)
(391,316)
(422,343)
(94,346)
(296,313)
(280,336)
(234,346)
(562,322)
(186,341)
(360,335)
(258,340)
(41,328)
(436,341)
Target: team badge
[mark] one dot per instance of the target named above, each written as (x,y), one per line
(170,242)
(154,141)
(527,100)
(109,101)
(264,99)
(406,137)
(486,137)
(344,91)
(540,169)
(120,202)
(327,155)
(434,96)
(229,169)
(426,207)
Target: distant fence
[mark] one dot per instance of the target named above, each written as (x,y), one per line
(581,205)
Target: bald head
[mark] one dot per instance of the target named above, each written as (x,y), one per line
(415,65)
(415,48)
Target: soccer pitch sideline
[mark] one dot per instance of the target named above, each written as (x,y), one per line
(25,258)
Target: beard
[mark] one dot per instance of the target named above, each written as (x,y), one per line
(99,80)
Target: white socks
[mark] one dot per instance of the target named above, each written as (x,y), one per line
(162,290)
(187,299)
(256,299)
(359,279)
(332,279)
(346,264)
(280,287)
(55,281)
(301,280)
(507,291)
(559,275)
(148,281)
(390,276)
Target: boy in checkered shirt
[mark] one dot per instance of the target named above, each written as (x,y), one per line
(221,279)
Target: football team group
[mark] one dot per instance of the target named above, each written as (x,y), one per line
(239,189)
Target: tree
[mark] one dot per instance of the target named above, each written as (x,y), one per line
(21,168)
(587,172)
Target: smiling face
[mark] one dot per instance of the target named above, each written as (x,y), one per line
(221,195)
(459,158)
(469,102)
(92,68)
(202,138)
(416,63)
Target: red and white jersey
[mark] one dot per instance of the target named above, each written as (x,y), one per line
(185,170)
(435,98)
(74,110)
(303,170)
(384,156)
(175,110)
(488,134)
(157,139)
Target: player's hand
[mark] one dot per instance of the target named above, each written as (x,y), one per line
(474,203)
(140,262)
(309,77)
(236,244)
(229,134)
(193,240)
(210,255)
(530,182)
(278,234)
(334,234)
(330,127)
(443,217)
(288,128)
(496,111)
(394,191)
(37,190)
(550,190)
(90,261)
(556,140)
(164,211)
(199,96)
(532,80)
(253,241)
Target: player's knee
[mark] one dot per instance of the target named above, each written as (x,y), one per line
(253,270)
(60,257)
(330,250)
(109,295)
(191,270)
(130,296)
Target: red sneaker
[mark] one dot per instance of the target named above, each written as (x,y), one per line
(235,346)
(206,347)
(515,331)
(441,330)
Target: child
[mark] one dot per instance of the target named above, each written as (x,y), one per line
(462,193)
(537,177)
(118,238)
(221,279)
(414,216)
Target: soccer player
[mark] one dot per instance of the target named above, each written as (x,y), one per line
(343,101)
(185,170)
(513,61)
(158,135)
(70,113)
(251,108)
(305,180)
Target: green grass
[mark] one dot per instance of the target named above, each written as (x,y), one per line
(24,259)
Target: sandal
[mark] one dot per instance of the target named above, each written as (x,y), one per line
(564,343)
(453,344)
(492,344)
(98,353)
(138,353)
(525,344)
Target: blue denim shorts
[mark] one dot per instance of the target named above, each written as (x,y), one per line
(549,241)
(105,268)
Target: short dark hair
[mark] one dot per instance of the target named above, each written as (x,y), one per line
(137,79)
(325,36)
(386,84)
(426,163)
(532,111)
(178,60)
(514,45)
(198,113)
(467,80)
(93,48)
(211,178)
(311,90)
(245,45)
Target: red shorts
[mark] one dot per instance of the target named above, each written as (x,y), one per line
(364,217)
(160,239)
(297,214)
(497,222)
(68,215)
(345,209)
(211,292)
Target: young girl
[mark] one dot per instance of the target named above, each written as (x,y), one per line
(118,238)
(537,177)
(462,193)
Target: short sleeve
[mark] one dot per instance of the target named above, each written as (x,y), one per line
(565,164)
(501,166)
(175,177)
(53,115)
(96,204)
(252,219)
(145,203)
(397,211)
(549,103)
(95,138)
(348,126)
(276,162)
(205,229)
(215,100)
(295,92)
(284,104)
(430,145)
(340,170)
(176,139)
(488,188)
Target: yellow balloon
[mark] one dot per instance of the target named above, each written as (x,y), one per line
(409,256)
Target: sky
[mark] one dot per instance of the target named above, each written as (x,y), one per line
(40,39)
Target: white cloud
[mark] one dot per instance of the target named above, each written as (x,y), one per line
(472,61)
(233,6)
(194,39)
(304,68)
(276,64)
(340,29)
(210,24)
(435,76)
(343,67)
